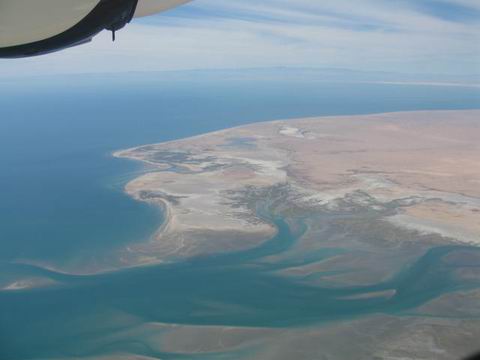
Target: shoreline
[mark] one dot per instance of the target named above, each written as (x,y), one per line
(190,162)
(206,187)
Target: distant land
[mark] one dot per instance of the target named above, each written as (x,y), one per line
(299,74)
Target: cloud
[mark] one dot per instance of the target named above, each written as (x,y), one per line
(415,36)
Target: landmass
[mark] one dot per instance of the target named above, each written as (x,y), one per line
(421,170)
(377,191)
(346,237)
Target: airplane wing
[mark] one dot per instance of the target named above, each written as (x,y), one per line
(36,27)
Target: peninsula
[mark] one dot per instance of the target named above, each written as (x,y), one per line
(417,171)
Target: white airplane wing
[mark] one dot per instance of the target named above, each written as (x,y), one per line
(36,27)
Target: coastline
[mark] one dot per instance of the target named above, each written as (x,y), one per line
(280,153)
(205,185)
(219,278)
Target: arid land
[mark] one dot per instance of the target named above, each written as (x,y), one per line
(423,166)
(385,187)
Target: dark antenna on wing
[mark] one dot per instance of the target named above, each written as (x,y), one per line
(124,18)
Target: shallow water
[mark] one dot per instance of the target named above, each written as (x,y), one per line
(230,290)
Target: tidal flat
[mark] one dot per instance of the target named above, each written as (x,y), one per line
(298,239)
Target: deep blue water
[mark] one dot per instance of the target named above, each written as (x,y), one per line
(61,198)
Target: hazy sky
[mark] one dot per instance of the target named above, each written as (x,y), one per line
(410,36)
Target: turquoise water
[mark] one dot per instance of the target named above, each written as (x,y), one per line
(221,290)
(62,203)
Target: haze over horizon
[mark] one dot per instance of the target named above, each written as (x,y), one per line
(414,37)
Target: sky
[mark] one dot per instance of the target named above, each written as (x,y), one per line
(404,36)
